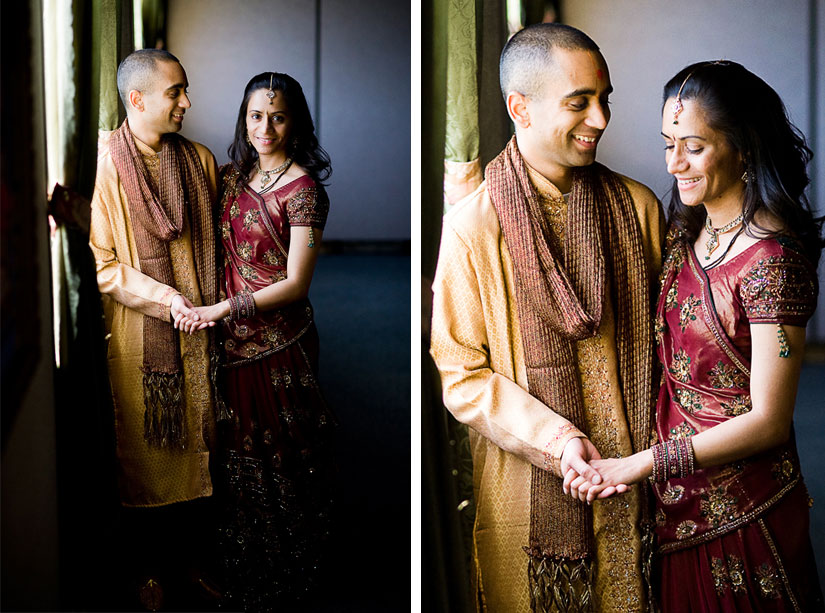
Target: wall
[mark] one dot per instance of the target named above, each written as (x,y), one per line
(352,60)
(646,42)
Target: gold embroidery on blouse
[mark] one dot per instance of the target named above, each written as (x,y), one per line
(680,368)
(737,406)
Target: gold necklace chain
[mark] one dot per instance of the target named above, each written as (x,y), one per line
(713,233)
(265,174)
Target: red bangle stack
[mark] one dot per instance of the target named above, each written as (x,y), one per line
(672,459)
(241,306)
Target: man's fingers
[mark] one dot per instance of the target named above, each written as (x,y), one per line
(585,470)
(575,485)
(568,478)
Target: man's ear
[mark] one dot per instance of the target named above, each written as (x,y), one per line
(136,100)
(517,109)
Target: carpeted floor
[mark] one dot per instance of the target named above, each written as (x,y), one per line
(362,309)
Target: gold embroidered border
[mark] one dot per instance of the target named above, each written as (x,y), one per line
(709,319)
(740,521)
(269,351)
(766,533)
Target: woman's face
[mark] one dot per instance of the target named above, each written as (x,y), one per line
(707,169)
(268,123)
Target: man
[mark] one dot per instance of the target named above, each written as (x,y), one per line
(154,246)
(542,334)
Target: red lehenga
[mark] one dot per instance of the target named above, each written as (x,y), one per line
(732,537)
(276,464)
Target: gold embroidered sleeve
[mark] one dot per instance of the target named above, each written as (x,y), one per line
(489,402)
(309,206)
(779,289)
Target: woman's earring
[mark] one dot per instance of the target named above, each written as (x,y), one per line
(744,176)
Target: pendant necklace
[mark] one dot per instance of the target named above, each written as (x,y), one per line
(713,233)
(265,174)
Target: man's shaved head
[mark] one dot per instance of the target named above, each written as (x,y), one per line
(137,71)
(528,55)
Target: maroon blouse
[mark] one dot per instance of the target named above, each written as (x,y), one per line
(703,337)
(255,232)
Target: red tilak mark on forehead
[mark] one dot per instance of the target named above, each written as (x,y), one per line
(600,74)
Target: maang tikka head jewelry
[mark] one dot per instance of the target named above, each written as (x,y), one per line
(271,93)
(677,107)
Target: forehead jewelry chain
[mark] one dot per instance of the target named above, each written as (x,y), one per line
(677,106)
(271,93)
(713,233)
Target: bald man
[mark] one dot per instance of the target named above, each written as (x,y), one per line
(542,333)
(153,240)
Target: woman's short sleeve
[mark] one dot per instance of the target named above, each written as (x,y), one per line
(309,206)
(780,289)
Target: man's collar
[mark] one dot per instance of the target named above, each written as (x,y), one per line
(543,185)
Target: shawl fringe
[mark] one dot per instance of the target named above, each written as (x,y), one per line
(561,585)
(163,422)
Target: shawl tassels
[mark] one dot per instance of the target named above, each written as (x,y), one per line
(560,301)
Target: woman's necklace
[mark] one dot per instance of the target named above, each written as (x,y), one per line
(278,178)
(718,260)
(265,174)
(713,233)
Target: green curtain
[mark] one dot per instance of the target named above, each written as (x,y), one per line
(153,16)
(84,42)
(445,579)
(461,142)
(464,125)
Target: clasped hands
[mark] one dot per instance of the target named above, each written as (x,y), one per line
(587,476)
(189,318)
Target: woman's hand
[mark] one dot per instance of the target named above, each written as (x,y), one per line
(204,317)
(620,474)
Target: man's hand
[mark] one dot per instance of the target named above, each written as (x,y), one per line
(578,474)
(581,479)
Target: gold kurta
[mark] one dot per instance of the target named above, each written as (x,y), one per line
(476,344)
(149,476)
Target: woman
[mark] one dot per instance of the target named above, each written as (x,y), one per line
(276,456)
(738,286)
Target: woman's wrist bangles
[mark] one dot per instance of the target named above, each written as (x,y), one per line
(241,306)
(672,459)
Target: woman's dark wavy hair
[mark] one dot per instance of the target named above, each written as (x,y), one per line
(753,119)
(306,152)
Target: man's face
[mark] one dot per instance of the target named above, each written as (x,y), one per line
(166,103)
(567,119)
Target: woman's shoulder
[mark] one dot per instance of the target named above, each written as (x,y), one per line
(777,249)
(777,282)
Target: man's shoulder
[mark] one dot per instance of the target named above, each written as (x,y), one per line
(639,192)
(642,196)
(203,151)
(474,214)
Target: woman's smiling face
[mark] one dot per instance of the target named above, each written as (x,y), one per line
(707,169)
(268,123)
